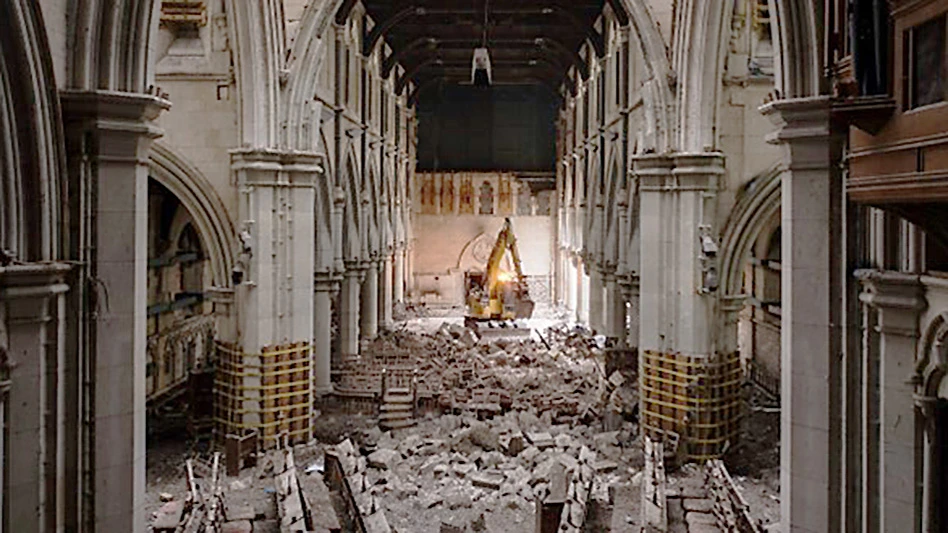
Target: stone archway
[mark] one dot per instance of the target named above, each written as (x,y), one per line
(197,195)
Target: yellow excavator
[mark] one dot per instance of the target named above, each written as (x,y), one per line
(495,294)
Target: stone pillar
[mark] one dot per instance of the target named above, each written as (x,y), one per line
(676,202)
(582,292)
(898,299)
(33,350)
(108,137)
(596,300)
(398,290)
(813,290)
(630,291)
(349,313)
(615,310)
(572,285)
(278,224)
(322,334)
(385,294)
(369,318)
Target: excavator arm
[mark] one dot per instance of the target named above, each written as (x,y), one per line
(507,298)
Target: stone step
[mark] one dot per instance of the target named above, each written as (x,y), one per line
(388,407)
(397,424)
(395,415)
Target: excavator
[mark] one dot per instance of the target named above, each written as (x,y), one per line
(496,297)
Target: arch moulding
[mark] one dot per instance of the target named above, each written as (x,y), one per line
(198,196)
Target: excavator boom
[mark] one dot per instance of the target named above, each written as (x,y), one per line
(506,297)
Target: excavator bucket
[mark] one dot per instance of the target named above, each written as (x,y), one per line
(524,308)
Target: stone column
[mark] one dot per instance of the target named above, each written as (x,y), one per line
(596,303)
(676,201)
(398,290)
(33,349)
(630,291)
(813,290)
(322,334)
(349,313)
(278,228)
(572,285)
(385,294)
(615,310)
(369,318)
(581,310)
(109,136)
(898,299)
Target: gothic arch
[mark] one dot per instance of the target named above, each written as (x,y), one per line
(657,92)
(32,157)
(111,44)
(353,232)
(797,41)
(257,37)
(373,209)
(612,209)
(753,214)
(306,61)
(199,198)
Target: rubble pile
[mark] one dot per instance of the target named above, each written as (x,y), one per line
(458,473)
(561,374)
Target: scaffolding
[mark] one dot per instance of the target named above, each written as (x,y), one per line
(268,392)
(695,400)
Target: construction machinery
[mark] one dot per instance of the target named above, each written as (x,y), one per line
(496,297)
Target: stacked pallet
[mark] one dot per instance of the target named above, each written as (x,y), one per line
(267,392)
(697,398)
(730,508)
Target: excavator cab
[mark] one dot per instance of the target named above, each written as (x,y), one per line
(496,294)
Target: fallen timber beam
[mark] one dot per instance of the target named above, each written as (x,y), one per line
(730,508)
(654,486)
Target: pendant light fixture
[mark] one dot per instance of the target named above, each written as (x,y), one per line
(480,68)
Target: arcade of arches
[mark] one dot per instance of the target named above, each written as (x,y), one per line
(192,190)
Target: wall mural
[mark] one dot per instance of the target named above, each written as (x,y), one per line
(428,201)
(486,199)
(504,196)
(447,193)
(495,194)
(466,206)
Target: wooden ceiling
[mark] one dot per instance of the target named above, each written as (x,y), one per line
(530,42)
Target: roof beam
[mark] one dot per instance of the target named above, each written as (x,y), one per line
(551,45)
(382,27)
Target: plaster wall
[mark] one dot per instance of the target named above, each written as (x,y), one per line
(742,139)
(448,245)
(202,126)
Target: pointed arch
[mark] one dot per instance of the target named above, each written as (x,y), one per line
(610,251)
(32,157)
(353,238)
(799,48)
(657,90)
(753,213)
(111,44)
(257,36)
(201,200)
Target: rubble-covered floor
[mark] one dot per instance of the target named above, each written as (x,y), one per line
(462,469)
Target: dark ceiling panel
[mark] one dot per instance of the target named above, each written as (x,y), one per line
(530,42)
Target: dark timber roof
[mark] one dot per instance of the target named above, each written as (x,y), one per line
(530,42)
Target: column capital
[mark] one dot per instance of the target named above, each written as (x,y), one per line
(33,280)
(263,167)
(892,290)
(113,109)
(326,282)
(798,118)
